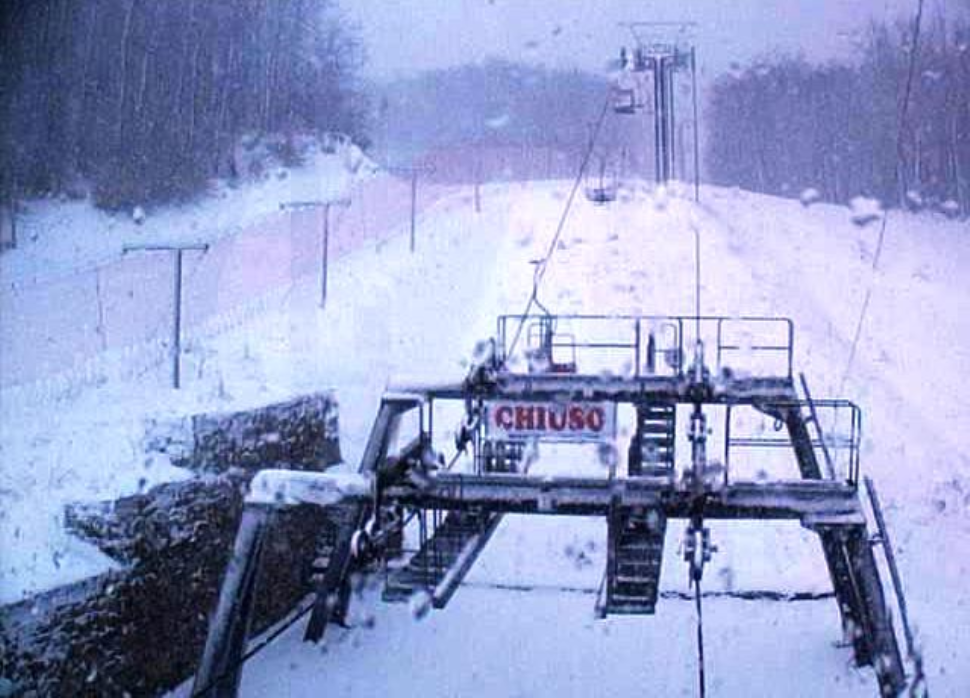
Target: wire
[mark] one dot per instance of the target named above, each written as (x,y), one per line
(542,266)
(700,637)
(876,257)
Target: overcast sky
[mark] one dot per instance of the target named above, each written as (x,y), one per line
(406,36)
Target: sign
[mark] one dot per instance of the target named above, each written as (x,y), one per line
(578,421)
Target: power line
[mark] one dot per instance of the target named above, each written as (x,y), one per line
(900,127)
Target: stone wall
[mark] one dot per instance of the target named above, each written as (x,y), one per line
(140,630)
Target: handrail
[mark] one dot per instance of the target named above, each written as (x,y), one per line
(638,339)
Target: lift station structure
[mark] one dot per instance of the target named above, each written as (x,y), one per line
(686,386)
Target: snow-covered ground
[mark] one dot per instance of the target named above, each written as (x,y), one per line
(394,313)
(60,238)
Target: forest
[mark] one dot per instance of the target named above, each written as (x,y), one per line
(138,101)
(495,102)
(882,125)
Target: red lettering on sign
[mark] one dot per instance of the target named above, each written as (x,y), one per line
(541,417)
(524,417)
(557,419)
(595,419)
(577,419)
(503,417)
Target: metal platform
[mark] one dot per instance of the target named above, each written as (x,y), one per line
(405,480)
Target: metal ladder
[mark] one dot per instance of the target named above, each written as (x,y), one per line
(635,542)
(652,446)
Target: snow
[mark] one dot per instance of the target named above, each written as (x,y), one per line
(285,487)
(394,313)
(59,238)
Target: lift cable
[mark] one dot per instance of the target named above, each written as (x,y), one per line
(700,636)
(900,127)
(542,265)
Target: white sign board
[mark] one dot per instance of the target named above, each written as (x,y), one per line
(579,421)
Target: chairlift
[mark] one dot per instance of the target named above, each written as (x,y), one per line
(624,100)
(545,345)
(604,190)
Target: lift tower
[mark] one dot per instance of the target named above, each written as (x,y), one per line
(661,50)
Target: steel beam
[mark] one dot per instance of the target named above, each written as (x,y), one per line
(811,502)
(619,389)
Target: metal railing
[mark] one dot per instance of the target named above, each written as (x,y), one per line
(838,451)
(637,341)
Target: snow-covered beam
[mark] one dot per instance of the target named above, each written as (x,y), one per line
(724,390)
(813,502)
(291,487)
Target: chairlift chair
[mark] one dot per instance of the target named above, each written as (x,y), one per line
(624,100)
(604,191)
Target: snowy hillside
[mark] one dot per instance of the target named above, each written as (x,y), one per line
(523,625)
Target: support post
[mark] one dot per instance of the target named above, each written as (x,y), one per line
(324,255)
(176,298)
(177,324)
(657,111)
(697,157)
(325,236)
(414,204)
(672,120)
(412,173)
(478,183)
(894,575)
(221,667)
(885,651)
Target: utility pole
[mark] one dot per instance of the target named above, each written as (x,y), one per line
(325,237)
(413,173)
(176,295)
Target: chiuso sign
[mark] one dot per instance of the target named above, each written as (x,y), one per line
(551,421)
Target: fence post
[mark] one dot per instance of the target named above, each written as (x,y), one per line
(177,298)
(325,237)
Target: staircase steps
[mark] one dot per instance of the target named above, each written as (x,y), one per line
(652,447)
(445,559)
(636,540)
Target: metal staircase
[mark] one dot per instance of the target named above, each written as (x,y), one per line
(652,446)
(635,541)
(444,559)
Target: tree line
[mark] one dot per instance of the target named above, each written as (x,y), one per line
(144,101)
(844,129)
(496,102)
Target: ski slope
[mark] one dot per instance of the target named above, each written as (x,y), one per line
(523,625)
